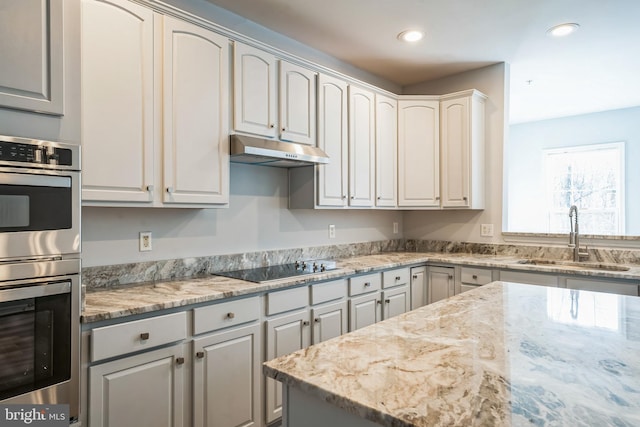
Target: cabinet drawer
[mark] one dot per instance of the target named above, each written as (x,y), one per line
(475,276)
(363,284)
(290,299)
(115,340)
(395,277)
(225,314)
(328,291)
(465,288)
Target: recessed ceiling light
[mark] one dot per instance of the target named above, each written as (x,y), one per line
(563,29)
(411,36)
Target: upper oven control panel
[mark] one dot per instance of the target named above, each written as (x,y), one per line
(37,153)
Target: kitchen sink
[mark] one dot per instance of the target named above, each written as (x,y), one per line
(574,264)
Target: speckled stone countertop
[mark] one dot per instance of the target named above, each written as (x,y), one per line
(504,354)
(116,302)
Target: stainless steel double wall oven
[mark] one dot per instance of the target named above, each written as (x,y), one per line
(39,272)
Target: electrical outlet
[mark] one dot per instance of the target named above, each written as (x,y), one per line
(145,241)
(486,230)
(395,228)
(332,231)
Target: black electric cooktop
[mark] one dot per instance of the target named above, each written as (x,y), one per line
(282,271)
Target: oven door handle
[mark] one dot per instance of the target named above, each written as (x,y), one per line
(35,180)
(36,291)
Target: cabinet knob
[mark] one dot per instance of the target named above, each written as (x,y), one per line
(415,276)
(305,323)
(169,190)
(475,276)
(231,315)
(352,197)
(379,197)
(367,284)
(200,354)
(465,198)
(272,125)
(317,320)
(144,336)
(437,197)
(387,301)
(450,276)
(397,277)
(180,360)
(283,129)
(379,302)
(149,188)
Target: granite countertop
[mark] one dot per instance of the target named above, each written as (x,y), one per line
(111,303)
(504,354)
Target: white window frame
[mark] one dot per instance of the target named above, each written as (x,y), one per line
(620,190)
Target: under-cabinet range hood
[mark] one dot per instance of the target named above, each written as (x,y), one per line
(269,152)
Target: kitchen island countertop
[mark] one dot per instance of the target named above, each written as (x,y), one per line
(504,354)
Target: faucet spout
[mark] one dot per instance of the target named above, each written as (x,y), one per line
(574,235)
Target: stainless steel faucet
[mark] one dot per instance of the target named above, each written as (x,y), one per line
(574,236)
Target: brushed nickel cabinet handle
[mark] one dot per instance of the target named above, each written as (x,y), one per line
(144,336)
(200,354)
(179,360)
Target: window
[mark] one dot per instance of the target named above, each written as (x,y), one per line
(590,177)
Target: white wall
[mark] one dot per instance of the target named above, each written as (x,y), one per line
(465,225)
(257,219)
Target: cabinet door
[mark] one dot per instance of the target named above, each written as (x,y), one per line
(419,291)
(297,104)
(418,153)
(329,321)
(226,378)
(332,138)
(396,301)
(254,91)
(196,134)
(364,311)
(386,150)
(142,390)
(455,152)
(608,286)
(31,69)
(441,283)
(117,101)
(285,335)
(361,147)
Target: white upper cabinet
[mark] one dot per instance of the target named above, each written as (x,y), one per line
(462,143)
(259,90)
(117,102)
(152,62)
(418,152)
(297,104)
(333,178)
(31,68)
(386,151)
(361,147)
(254,91)
(196,130)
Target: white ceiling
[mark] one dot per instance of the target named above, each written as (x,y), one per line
(595,69)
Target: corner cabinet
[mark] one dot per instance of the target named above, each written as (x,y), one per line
(273,98)
(179,161)
(462,133)
(418,152)
(31,70)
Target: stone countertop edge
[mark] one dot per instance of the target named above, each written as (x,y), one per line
(112,303)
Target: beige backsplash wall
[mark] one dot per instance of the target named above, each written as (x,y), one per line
(257,219)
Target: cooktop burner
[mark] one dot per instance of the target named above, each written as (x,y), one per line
(282,271)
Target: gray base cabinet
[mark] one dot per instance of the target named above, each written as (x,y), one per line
(441,283)
(226,378)
(144,390)
(419,287)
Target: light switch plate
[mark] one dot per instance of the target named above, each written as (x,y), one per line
(145,241)
(332,231)
(486,230)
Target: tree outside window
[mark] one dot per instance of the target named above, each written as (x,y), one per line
(590,177)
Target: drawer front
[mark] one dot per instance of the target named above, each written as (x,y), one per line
(465,288)
(363,284)
(116,340)
(395,277)
(225,314)
(475,276)
(290,299)
(328,291)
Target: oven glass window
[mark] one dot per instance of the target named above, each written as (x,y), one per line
(35,343)
(35,203)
